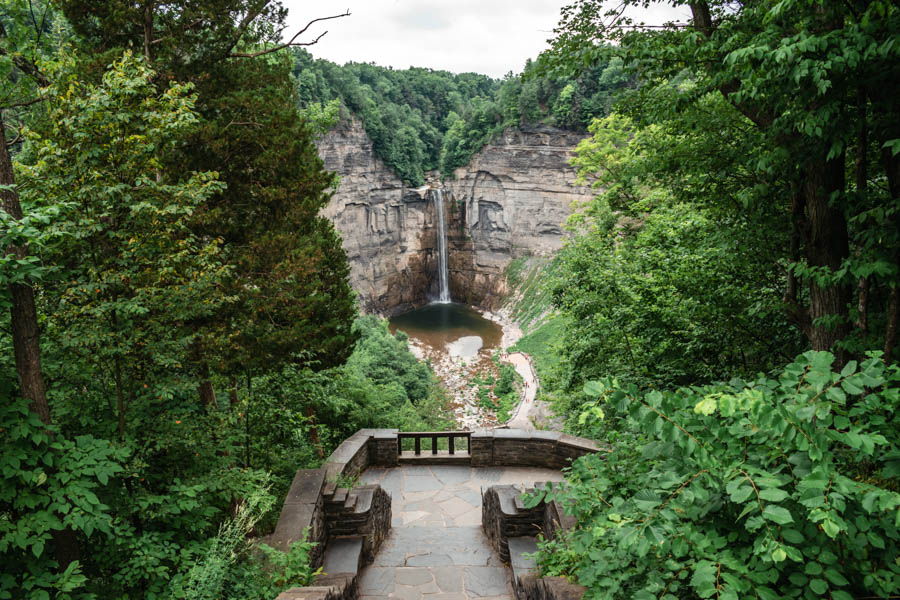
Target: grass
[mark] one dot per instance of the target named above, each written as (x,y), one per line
(542,343)
(531,280)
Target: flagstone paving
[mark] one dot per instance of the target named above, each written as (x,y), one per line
(437,549)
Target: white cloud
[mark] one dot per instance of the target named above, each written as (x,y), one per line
(484,36)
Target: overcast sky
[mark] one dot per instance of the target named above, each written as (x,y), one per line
(484,36)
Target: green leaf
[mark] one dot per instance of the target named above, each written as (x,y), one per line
(741,494)
(773,494)
(851,388)
(777,514)
(812,568)
(594,388)
(707,406)
(835,577)
(646,500)
(818,586)
(831,528)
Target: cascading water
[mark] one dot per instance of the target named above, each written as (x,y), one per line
(443,267)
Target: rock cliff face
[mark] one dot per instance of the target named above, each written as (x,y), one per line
(387,228)
(509,202)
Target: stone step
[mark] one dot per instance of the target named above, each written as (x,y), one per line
(518,547)
(507,495)
(350,502)
(520,503)
(343,555)
(329,489)
(340,496)
(362,499)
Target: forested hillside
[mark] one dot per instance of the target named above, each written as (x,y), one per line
(725,315)
(422,120)
(178,333)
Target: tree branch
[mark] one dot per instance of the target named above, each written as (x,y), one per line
(292,41)
(24,103)
(23,64)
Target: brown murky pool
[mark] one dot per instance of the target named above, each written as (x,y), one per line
(455,329)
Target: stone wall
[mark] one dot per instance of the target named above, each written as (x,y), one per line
(505,517)
(527,448)
(363,511)
(532,587)
(332,513)
(510,201)
(304,507)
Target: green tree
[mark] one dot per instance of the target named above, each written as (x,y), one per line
(818,81)
(133,274)
(656,283)
(287,289)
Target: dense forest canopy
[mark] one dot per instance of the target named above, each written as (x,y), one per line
(746,210)
(423,120)
(179,333)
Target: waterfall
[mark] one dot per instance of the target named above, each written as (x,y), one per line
(443,267)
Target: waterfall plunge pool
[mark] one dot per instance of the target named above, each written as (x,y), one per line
(454,329)
(458,343)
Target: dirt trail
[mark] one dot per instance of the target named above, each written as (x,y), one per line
(530,411)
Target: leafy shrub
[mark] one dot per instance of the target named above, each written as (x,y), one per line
(209,577)
(292,568)
(775,488)
(48,484)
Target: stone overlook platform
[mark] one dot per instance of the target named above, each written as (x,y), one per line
(431,515)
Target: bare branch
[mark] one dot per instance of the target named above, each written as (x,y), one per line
(187,27)
(292,41)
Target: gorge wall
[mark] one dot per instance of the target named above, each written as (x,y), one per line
(510,201)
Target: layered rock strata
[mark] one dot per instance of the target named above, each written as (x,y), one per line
(388,229)
(510,201)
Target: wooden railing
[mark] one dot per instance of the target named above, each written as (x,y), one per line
(418,436)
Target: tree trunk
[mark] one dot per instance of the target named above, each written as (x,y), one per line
(827,245)
(26,341)
(862,187)
(120,396)
(25,332)
(206,389)
(862,304)
(892,169)
(233,393)
(148,29)
(890,334)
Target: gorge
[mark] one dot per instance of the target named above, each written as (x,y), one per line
(510,201)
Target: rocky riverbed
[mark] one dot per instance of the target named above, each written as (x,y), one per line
(457,367)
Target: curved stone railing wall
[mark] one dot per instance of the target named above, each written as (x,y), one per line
(316,502)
